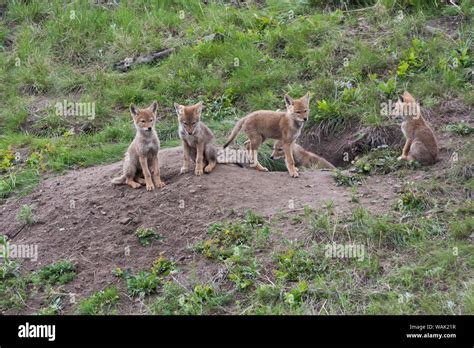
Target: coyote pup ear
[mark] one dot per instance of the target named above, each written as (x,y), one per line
(306,98)
(133,110)
(288,100)
(153,106)
(178,108)
(408,98)
(198,108)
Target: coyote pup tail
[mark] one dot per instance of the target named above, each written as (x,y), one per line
(118,181)
(323,163)
(235,132)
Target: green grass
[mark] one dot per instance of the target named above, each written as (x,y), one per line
(460,128)
(26,215)
(100,303)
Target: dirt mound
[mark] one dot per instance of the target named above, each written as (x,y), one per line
(82,217)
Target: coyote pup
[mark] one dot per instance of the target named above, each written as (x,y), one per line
(197,138)
(302,157)
(284,126)
(421,144)
(142,152)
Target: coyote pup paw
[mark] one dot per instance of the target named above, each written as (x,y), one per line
(401,158)
(150,187)
(208,169)
(294,174)
(184,170)
(160,184)
(198,172)
(134,185)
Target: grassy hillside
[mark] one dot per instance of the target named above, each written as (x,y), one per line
(352,58)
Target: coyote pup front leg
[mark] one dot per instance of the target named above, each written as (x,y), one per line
(290,161)
(406,150)
(156,173)
(186,158)
(146,173)
(199,159)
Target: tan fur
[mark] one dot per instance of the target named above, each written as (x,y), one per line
(263,124)
(420,144)
(142,152)
(197,139)
(302,157)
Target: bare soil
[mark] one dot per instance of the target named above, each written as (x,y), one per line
(83,218)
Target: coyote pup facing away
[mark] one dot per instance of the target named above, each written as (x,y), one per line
(284,126)
(421,144)
(198,140)
(302,157)
(142,152)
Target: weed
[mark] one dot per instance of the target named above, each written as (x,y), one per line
(343,179)
(203,299)
(144,283)
(60,272)
(25,215)
(100,303)
(460,128)
(146,235)
(162,267)
(227,236)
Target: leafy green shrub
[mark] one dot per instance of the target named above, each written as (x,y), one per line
(243,270)
(60,272)
(298,264)
(147,235)
(144,283)
(460,128)
(176,300)
(162,266)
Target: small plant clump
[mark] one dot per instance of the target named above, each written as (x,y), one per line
(147,235)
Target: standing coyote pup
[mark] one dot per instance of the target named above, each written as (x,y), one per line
(302,157)
(198,141)
(421,144)
(284,126)
(142,152)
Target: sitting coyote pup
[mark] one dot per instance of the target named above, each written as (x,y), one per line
(263,124)
(302,157)
(420,142)
(142,152)
(198,141)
